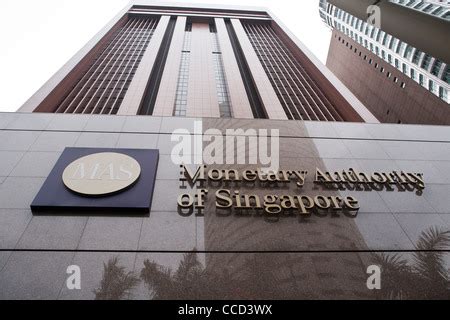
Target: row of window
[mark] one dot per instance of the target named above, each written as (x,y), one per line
(390,49)
(393,50)
(398,47)
(102,88)
(437,10)
(418,77)
(371,62)
(297,92)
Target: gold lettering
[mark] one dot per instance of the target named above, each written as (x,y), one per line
(322,177)
(249,175)
(201,193)
(288,202)
(303,208)
(182,203)
(270,205)
(301,177)
(322,202)
(379,178)
(248,204)
(235,175)
(351,203)
(336,203)
(186,174)
(223,199)
(215,175)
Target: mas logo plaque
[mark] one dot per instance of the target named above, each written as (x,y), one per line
(101,174)
(99,179)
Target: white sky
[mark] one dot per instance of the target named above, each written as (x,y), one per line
(39,36)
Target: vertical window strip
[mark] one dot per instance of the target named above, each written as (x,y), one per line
(299,95)
(103,87)
(223,95)
(180,107)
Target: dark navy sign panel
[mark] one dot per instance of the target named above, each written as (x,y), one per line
(54,196)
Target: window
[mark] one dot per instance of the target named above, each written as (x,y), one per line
(412,73)
(426,61)
(428,8)
(436,68)
(443,93)
(390,42)
(379,35)
(431,86)
(408,52)
(446,76)
(416,57)
(400,47)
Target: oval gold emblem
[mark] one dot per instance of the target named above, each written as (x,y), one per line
(101,174)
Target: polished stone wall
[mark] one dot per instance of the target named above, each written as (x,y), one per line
(317,257)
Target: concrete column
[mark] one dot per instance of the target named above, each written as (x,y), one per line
(135,94)
(165,101)
(202,93)
(269,98)
(238,96)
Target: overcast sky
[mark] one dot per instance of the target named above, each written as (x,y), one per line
(39,36)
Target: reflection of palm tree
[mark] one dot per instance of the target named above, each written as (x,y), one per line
(193,281)
(427,278)
(259,278)
(116,283)
(188,282)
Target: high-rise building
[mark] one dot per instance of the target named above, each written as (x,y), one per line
(400,59)
(296,191)
(437,8)
(201,62)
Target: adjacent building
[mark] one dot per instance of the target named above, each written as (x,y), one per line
(396,81)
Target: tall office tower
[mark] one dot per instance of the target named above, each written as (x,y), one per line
(198,62)
(395,80)
(90,177)
(438,8)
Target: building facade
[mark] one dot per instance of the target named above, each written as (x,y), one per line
(198,62)
(392,96)
(308,217)
(430,72)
